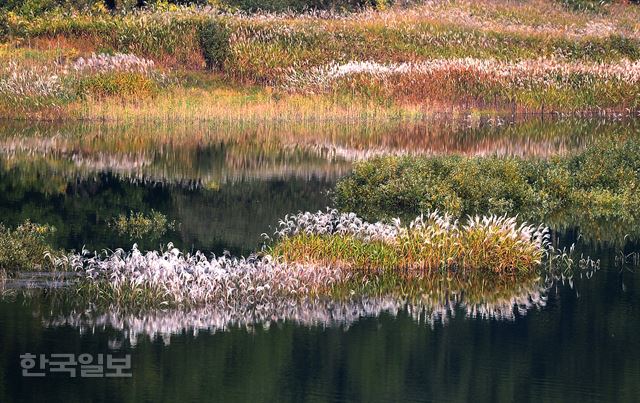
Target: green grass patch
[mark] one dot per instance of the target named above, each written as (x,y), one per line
(601,182)
(138,225)
(27,247)
(435,244)
(116,84)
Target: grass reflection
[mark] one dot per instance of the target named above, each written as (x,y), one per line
(444,301)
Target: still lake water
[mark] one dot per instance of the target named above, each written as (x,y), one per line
(573,340)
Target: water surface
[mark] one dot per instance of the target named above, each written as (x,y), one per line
(577,339)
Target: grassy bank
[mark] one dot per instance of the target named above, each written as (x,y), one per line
(599,183)
(208,64)
(124,87)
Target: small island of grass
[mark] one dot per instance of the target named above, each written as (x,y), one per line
(599,183)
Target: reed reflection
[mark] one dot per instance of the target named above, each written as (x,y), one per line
(502,302)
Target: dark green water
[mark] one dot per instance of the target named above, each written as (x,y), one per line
(579,340)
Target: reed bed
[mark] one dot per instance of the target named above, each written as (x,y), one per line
(29,87)
(532,83)
(324,254)
(371,64)
(265,47)
(172,278)
(432,244)
(252,105)
(34,87)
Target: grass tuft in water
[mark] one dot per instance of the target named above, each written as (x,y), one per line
(430,245)
(27,247)
(320,255)
(137,225)
(172,278)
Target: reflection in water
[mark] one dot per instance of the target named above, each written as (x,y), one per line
(597,232)
(231,217)
(206,166)
(228,184)
(574,349)
(208,153)
(627,260)
(34,280)
(505,303)
(224,192)
(164,323)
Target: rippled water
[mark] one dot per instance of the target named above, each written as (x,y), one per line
(574,339)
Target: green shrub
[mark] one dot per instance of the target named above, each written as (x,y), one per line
(585,5)
(608,164)
(26,247)
(39,7)
(4,25)
(214,41)
(408,186)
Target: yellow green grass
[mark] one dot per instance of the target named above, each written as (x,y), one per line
(27,247)
(429,245)
(221,66)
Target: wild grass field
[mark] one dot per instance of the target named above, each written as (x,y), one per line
(380,63)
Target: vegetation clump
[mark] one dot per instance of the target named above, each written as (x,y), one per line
(137,279)
(27,248)
(433,244)
(137,225)
(214,40)
(586,5)
(600,182)
(322,255)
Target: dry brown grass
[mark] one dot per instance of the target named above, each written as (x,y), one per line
(225,104)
